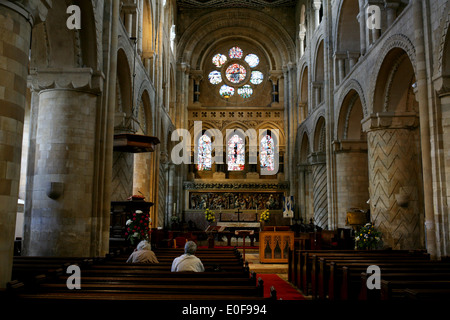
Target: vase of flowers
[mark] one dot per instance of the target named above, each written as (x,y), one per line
(210,216)
(138,227)
(368,237)
(264,218)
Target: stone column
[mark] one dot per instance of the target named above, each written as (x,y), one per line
(425,144)
(301,36)
(352,177)
(362,26)
(394,170)
(340,61)
(304,191)
(317,89)
(352,59)
(171,197)
(17,20)
(317,4)
(317,161)
(391,11)
(61,218)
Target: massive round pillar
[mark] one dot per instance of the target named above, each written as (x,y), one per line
(396,202)
(16,23)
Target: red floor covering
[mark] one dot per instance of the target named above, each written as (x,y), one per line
(284,290)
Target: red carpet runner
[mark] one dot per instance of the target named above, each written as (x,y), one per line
(284,290)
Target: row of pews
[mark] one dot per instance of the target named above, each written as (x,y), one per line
(343,275)
(110,278)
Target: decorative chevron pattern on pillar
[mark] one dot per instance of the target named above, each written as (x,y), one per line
(162,194)
(319,172)
(122,181)
(394,176)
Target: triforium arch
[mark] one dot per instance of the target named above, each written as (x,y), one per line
(303,95)
(347,34)
(350,150)
(393,137)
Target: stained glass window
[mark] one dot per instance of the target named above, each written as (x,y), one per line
(215,77)
(226,91)
(236,73)
(236,153)
(236,53)
(219,59)
(204,153)
(245,91)
(252,60)
(256,77)
(266,152)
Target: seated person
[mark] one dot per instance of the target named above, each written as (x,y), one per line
(143,254)
(188,261)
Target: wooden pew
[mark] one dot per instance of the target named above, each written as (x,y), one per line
(309,262)
(345,278)
(395,289)
(407,274)
(427,294)
(112,278)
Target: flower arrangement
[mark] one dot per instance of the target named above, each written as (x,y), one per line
(265,216)
(368,237)
(138,227)
(210,216)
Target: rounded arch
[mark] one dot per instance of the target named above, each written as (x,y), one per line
(394,87)
(319,63)
(124,83)
(319,140)
(231,22)
(349,120)
(443,65)
(145,112)
(148,28)
(397,41)
(347,29)
(304,85)
(55,46)
(304,148)
(353,85)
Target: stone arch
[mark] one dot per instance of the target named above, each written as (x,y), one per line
(346,30)
(148,28)
(319,63)
(397,41)
(124,84)
(231,22)
(443,65)
(303,96)
(353,85)
(55,46)
(319,141)
(394,86)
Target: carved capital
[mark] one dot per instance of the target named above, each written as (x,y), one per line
(442,85)
(381,121)
(84,79)
(34,10)
(317,158)
(340,146)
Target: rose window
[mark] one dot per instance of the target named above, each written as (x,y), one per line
(235,72)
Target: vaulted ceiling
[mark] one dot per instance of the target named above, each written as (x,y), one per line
(203,4)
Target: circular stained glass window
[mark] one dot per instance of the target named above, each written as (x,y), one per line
(245,91)
(226,91)
(256,77)
(236,53)
(215,77)
(252,60)
(219,59)
(236,73)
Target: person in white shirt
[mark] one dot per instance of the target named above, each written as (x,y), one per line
(188,261)
(143,254)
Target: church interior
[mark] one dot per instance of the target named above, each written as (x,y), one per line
(274,132)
